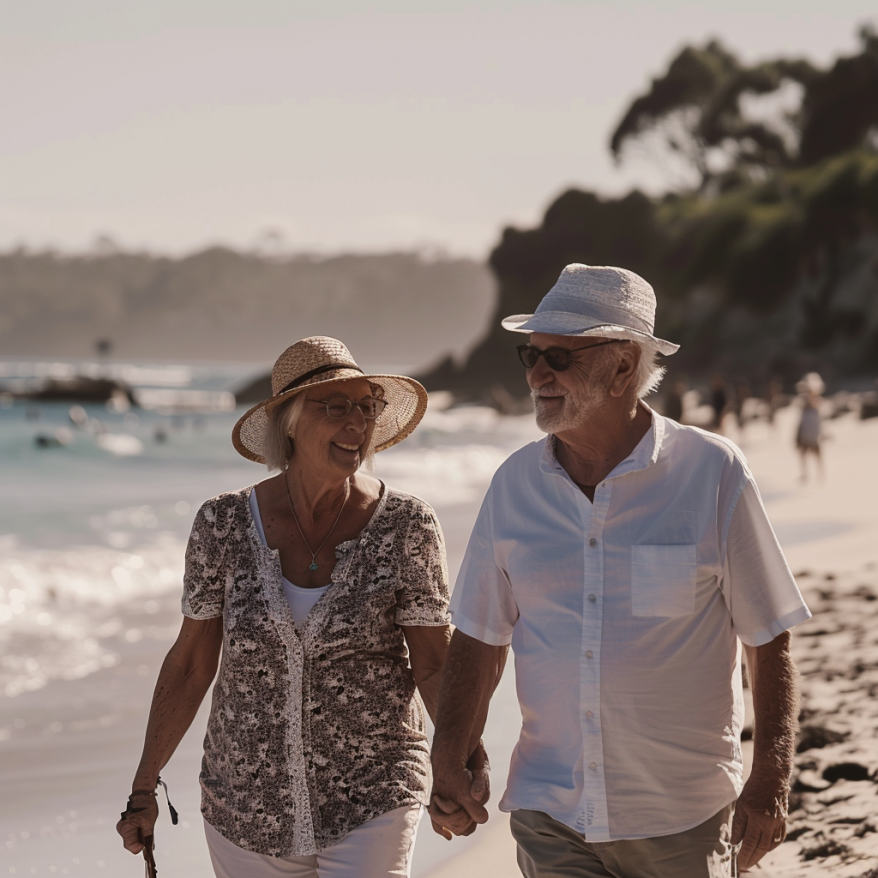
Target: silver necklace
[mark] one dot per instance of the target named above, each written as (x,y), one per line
(313,564)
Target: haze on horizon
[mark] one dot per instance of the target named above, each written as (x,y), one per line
(341,125)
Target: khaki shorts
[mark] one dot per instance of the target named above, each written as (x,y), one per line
(549,849)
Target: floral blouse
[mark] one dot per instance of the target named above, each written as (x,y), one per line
(314,731)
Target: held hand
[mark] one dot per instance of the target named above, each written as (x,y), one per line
(137,825)
(480,790)
(760,818)
(456,805)
(480,767)
(442,812)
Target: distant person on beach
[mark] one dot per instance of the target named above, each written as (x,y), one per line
(809,432)
(742,395)
(775,398)
(719,401)
(321,593)
(674,406)
(623,558)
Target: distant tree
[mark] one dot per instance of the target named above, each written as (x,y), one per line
(840,108)
(673,108)
(734,124)
(751,145)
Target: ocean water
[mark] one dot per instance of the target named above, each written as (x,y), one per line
(97,504)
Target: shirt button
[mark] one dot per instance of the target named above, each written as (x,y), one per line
(589,653)
(593,766)
(592,598)
(589,714)
(592,542)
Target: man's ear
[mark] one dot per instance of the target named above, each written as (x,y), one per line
(626,369)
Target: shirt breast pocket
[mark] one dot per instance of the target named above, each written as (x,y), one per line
(663,580)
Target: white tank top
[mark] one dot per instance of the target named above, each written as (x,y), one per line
(301,600)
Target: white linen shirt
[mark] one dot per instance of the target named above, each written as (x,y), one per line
(624,617)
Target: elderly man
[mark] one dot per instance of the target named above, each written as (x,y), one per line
(624,558)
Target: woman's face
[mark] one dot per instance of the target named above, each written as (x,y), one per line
(334,446)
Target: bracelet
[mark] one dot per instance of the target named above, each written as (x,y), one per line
(153,793)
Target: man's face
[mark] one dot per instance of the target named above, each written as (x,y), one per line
(565,400)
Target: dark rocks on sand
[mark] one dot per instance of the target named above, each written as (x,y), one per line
(81,389)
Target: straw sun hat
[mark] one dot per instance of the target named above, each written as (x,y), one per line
(322,361)
(596,300)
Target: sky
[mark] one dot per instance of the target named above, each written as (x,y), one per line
(330,126)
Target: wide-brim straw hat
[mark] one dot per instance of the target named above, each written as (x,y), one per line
(596,300)
(322,361)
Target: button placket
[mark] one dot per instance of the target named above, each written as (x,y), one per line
(594,792)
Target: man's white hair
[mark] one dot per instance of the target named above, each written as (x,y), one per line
(649,373)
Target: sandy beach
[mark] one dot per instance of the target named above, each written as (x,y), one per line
(68,749)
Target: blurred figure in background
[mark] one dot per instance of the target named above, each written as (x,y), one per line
(719,401)
(810,430)
(674,403)
(742,394)
(774,396)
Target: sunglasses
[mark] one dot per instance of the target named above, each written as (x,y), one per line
(557,359)
(338,407)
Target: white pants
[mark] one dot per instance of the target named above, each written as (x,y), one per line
(378,848)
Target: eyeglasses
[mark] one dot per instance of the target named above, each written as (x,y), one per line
(338,407)
(557,359)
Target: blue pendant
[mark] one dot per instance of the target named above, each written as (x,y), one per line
(313,565)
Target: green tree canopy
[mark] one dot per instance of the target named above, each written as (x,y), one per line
(702,109)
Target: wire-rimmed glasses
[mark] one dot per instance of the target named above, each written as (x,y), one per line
(338,407)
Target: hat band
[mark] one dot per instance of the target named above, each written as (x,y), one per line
(318,371)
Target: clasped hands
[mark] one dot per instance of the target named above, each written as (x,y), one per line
(457,803)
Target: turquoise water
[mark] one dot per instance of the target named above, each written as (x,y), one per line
(96,526)
(96,522)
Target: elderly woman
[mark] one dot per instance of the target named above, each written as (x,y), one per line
(322,595)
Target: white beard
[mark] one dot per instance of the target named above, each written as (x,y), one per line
(575,410)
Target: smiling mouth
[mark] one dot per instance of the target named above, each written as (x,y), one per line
(346,447)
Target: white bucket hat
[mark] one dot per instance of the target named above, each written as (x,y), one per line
(596,300)
(323,360)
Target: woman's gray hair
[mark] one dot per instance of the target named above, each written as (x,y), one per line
(278,441)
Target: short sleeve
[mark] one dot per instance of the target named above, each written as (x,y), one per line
(482,605)
(759,588)
(204,578)
(423,595)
